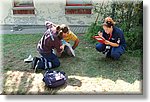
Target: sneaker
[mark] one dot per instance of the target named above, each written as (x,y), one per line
(108,55)
(34,62)
(29,59)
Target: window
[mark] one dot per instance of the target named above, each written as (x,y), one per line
(78,7)
(23,7)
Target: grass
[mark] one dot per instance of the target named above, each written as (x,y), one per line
(87,63)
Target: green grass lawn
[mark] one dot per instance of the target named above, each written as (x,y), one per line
(87,63)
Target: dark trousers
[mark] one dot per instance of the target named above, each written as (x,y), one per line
(67,51)
(114,52)
(48,61)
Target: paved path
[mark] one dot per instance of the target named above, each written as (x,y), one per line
(28,29)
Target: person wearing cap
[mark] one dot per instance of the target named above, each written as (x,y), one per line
(68,36)
(114,42)
(45,47)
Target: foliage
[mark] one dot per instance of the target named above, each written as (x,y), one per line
(127,15)
(93,30)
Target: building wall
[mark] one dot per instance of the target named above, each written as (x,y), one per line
(52,10)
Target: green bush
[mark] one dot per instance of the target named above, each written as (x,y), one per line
(134,38)
(128,16)
(92,31)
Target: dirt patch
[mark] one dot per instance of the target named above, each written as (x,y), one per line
(31,83)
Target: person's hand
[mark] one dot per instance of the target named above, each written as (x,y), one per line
(62,48)
(107,42)
(100,34)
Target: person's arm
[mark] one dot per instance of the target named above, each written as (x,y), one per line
(117,40)
(59,47)
(101,34)
(76,42)
(74,38)
(59,53)
(111,43)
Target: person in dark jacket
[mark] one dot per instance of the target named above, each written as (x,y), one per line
(114,42)
(45,46)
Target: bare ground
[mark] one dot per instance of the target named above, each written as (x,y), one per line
(31,83)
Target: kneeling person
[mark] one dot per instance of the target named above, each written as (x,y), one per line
(45,47)
(68,36)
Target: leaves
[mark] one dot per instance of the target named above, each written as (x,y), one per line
(127,15)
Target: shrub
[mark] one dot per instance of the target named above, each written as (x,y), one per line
(128,16)
(92,31)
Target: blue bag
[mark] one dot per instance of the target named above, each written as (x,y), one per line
(54,78)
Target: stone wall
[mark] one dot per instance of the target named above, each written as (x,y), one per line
(47,10)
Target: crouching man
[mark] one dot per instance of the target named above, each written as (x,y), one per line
(47,43)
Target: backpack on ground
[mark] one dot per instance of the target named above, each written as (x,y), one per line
(54,78)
